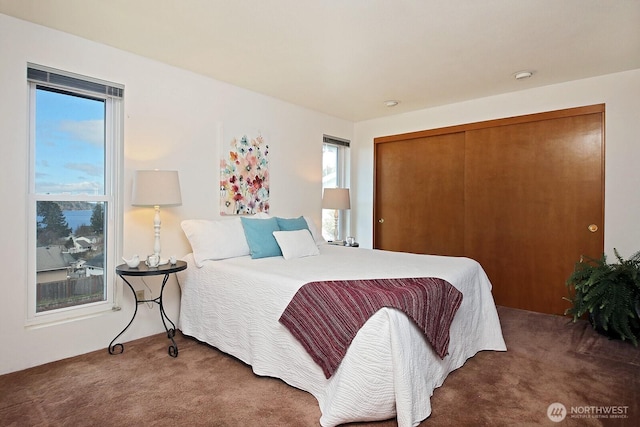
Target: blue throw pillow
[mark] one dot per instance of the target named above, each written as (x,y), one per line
(292,224)
(259,235)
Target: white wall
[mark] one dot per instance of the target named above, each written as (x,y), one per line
(621,94)
(172,121)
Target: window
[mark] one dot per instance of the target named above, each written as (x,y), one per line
(75,145)
(335,152)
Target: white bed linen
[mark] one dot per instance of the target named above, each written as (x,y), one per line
(389,369)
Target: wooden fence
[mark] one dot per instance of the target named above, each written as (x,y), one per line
(69,292)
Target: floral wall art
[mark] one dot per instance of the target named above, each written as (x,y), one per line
(244,175)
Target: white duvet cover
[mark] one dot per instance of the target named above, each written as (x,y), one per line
(389,370)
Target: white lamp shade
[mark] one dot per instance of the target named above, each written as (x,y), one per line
(336,198)
(156,188)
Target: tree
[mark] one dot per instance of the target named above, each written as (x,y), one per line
(53,225)
(84,230)
(97,219)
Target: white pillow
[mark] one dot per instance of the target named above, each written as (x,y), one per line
(317,236)
(214,240)
(296,244)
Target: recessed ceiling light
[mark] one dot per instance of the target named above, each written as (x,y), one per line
(521,75)
(391,103)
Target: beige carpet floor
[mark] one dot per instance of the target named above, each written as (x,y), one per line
(548,360)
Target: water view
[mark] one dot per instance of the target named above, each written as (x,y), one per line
(76,218)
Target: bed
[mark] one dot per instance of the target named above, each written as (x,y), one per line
(234,304)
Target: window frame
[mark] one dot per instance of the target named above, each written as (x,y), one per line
(112,197)
(342,177)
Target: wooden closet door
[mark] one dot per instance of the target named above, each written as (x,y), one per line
(419,195)
(532,192)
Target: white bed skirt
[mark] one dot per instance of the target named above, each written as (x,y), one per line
(389,370)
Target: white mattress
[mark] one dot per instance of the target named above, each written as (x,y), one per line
(389,370)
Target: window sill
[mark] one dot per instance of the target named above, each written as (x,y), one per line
(42,320)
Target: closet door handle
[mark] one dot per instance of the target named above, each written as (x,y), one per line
(592,228)
(381,220)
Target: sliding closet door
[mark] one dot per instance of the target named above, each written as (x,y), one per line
(534,206)
(524,196)
(419,195)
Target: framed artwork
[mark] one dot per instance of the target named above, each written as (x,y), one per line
(244,174)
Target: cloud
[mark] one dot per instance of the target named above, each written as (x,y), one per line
(87,168)
(82,187)
(91,131)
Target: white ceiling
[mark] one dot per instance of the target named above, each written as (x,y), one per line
(346,57)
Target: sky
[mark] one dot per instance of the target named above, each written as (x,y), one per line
(69,155)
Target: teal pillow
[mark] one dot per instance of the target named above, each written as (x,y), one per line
(259,235)
(292,224)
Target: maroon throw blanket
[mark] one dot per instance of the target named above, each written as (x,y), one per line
(326,316)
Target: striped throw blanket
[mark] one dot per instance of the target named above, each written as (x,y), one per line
(326,316)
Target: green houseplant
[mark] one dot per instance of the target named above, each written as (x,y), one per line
(609,294)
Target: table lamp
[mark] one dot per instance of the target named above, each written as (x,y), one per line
(156,188)
(336,199)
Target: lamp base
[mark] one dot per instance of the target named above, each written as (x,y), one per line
(156,232)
